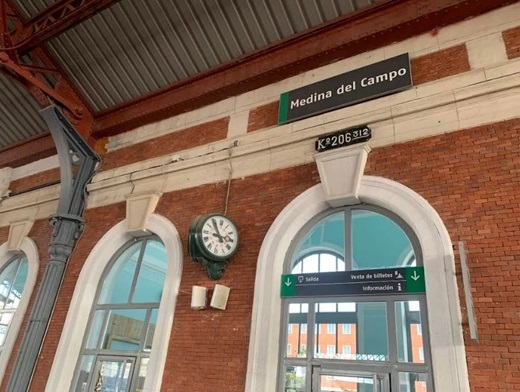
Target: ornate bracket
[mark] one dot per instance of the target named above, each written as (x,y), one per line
(34,69)
(78,163)
(215,269)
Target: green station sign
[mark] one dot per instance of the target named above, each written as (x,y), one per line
(389,281)
(372,81)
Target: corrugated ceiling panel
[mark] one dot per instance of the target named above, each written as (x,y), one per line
(31,8)
(136,47)
(19,114)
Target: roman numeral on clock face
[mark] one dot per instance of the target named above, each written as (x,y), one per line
(219,236)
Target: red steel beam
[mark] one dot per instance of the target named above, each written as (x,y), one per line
(30,76)
(27,151)
(379,25)
(55,20)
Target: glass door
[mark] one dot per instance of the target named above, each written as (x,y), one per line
(113,374)
(332,380)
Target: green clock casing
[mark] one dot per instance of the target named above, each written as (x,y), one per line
(213,237)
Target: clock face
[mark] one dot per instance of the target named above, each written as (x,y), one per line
(219,236)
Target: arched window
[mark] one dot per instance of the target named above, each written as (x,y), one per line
(355,342)
(118,342)
(18,272)
(13,276)
(269,327)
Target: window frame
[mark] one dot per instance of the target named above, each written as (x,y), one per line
(14,259)
(138,355)
(292,260)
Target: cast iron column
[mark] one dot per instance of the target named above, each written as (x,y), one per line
(77,167)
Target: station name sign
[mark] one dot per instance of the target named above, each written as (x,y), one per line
(346,137)
(390,281)
(362,84)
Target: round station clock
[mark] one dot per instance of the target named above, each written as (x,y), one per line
(213,239)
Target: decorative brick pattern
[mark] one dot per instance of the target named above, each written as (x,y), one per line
(471,178)
(263,117)
(35,180)
(177,141)
(512,42)
(441,64)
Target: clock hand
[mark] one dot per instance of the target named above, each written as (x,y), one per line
(217,233)
(221,239)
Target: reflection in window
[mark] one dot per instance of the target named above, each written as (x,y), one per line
(12,283)
(319,262)
(372,240)
(123,321)
(378,242)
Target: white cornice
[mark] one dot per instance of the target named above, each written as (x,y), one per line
(462,101)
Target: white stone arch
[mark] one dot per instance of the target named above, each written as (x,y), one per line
(447,343)
(69,347)
(28,247)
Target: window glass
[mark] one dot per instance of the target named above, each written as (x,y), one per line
(84,373)
(378,242)
(294,379)
(297,330)
(12,282)
(124,329)
(93,340)
(412,382)
(143,369)
(368,341)
(152,273)
(408,322)
(5,321)
(328,235)
(118,282)
(347,383)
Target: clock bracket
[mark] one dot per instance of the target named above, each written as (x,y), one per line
(214,269)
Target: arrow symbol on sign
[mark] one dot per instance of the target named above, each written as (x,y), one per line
(288,282)
(415,276)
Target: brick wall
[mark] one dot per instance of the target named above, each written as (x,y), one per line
(177,141)
(441,64)
(512,42)
(168,144)
(470,177)
(208,350)
(35,180)
(427,68)
(264,116)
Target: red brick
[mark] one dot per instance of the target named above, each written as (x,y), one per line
(512,41)
(470,177)
(441,64)
(177,141)
(263,117)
